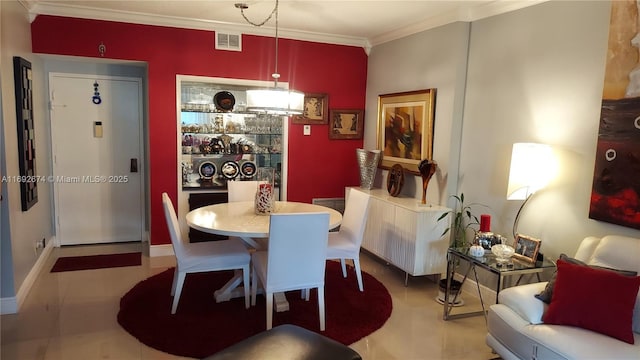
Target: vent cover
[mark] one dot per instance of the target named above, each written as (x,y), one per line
(228,41)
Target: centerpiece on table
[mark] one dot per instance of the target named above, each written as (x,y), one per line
(265,193)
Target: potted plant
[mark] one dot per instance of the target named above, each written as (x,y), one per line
(462,221)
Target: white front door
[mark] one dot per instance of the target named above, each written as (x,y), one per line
(96,139)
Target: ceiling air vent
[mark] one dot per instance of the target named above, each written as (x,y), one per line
(227,41)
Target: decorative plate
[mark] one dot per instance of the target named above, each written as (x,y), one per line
(224,101)
(230,169)
(207,169)
(248,169)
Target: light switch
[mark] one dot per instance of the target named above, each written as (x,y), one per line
(306,130)
(97,129)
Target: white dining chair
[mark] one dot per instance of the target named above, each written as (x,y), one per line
(295,259)
(203,256)
(345,243)
(242,190)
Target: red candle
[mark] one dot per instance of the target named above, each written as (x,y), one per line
(485,223)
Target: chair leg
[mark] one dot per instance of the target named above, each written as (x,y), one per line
(321,307)
(176,296)
(254,287)
(356,264)
(269,296)
(175,281)
(344,268)
(245,277)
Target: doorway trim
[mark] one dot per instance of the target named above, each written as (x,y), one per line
(142,162)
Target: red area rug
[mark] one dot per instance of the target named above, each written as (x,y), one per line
(202,327)
(73,263)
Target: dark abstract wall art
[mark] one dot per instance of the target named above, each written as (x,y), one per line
(23,79)
(615,196)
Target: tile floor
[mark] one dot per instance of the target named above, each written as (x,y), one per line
(72,315)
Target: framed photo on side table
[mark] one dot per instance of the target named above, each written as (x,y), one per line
(316,110)
(346,124)
(526,248)
(405,128)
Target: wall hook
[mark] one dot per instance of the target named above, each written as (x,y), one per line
(102,49)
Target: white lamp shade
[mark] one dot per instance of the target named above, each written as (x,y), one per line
(275,101)
(532,167)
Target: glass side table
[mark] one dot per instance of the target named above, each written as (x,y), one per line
(488,262)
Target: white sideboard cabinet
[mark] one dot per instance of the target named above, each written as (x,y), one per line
(406,234)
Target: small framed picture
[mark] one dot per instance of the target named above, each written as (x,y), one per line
(526,248)
(346,124)
(316,110)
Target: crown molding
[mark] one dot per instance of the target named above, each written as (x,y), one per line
(27,4)
(500,7)
(482,10)
(83,12)
(430,23)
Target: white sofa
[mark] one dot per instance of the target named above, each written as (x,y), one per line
(516,330)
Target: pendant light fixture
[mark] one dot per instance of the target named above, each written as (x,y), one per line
(274,100)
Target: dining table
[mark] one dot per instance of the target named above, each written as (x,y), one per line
(239,219)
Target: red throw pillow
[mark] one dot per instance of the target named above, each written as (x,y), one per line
(594,299)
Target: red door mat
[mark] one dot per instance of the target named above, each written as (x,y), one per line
(73,263)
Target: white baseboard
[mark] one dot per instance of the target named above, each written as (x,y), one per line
(11,305)
(161,250)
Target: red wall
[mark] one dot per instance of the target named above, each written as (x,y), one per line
(318,167)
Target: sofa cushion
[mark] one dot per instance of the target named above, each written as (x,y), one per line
(593,299)
(545,342)
(520,299)
(586,248)
(620,252)
(546,294)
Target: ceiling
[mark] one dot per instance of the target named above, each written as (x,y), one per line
(349,22)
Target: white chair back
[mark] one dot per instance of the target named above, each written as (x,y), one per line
(297,251)
(242,190)
(355,216)
(174,226)
(204,257)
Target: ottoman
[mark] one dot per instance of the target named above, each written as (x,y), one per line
(287,342)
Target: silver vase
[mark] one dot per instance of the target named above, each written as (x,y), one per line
(368,162)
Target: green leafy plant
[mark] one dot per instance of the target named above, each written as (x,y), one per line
(463,220)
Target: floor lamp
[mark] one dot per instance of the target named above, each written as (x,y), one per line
(530,171)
